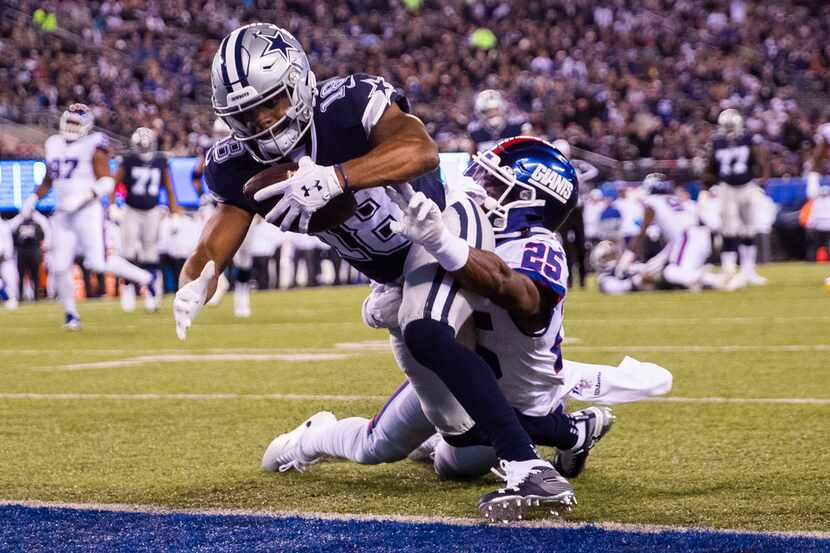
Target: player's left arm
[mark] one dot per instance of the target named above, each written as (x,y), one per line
(401,149)
(762,159)
(104,183)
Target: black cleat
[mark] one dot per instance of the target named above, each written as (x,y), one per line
(598,421)
(531,485)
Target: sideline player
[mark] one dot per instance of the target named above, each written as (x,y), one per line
(493,122)
(78,170)
(351,132)
(143,171)
(530,190)
(733,164)
(687,242)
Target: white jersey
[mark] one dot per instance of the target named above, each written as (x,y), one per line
(672,214)
(70,165)
(528,367)
(823,134)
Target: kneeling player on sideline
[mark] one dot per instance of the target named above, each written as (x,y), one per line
(530,189)
(688,243)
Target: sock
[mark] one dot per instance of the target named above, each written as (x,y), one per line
(343,440)
(748,253)
(554,430)
(729,254)
(66,292)
(473,384)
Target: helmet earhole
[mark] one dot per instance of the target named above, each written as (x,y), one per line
(525,195)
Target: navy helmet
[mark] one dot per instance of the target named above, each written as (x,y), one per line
(529,184)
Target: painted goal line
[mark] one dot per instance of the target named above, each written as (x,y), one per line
(408,519)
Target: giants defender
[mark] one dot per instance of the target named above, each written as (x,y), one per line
(492,123)
(687,242)
(530,190)
(78,170)
(351,132)
(143,171)
(735,155)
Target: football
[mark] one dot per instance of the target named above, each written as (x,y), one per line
(330,215)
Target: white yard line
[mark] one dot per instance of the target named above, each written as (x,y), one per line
(358,397)
(611,526)
(195,358)
(704,348)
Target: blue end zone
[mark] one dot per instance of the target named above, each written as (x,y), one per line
(62,530)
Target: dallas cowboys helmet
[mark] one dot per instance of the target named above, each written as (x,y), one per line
(731,122)
(491,108)
(144,141)
(657,183)
(529,184)
(604,256)
(263,66)
(76,122)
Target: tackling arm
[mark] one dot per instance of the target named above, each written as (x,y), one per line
(486,274)
(401,150)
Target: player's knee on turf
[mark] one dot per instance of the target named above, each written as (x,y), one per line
(462,462)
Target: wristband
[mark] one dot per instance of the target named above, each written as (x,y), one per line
(453,252)
(339,168)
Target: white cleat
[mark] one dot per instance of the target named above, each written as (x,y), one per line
(222,286)
(425,453)
(283,453)
(827,283)
(733,281)
(754,279)
(11,304)
(72,322)
(151,303)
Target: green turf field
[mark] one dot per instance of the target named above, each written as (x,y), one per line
(110,438)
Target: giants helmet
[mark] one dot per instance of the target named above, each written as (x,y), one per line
(257,66)
(657,183)
(76,122)
(529,183)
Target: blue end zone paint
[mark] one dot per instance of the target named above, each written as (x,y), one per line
(61,530)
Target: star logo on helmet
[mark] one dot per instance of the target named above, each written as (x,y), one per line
(276,43)
(379,86)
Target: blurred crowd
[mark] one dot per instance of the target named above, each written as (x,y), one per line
(624,79)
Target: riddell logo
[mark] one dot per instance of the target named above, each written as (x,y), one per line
(559,187)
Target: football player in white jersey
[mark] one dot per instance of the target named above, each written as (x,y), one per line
(688,243)
(530,190)
(8,268)
(820,155)
(78,170)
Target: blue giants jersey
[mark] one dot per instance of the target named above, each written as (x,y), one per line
(732,159)
(347,110)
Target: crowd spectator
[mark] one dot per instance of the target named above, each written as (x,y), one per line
(626,79)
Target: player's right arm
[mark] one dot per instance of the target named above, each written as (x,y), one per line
(221,238)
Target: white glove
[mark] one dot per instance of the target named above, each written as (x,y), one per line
(625,261)
(310,188)
(190,299)
(380,308)
(422,223)
(28,206)
(103,186)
